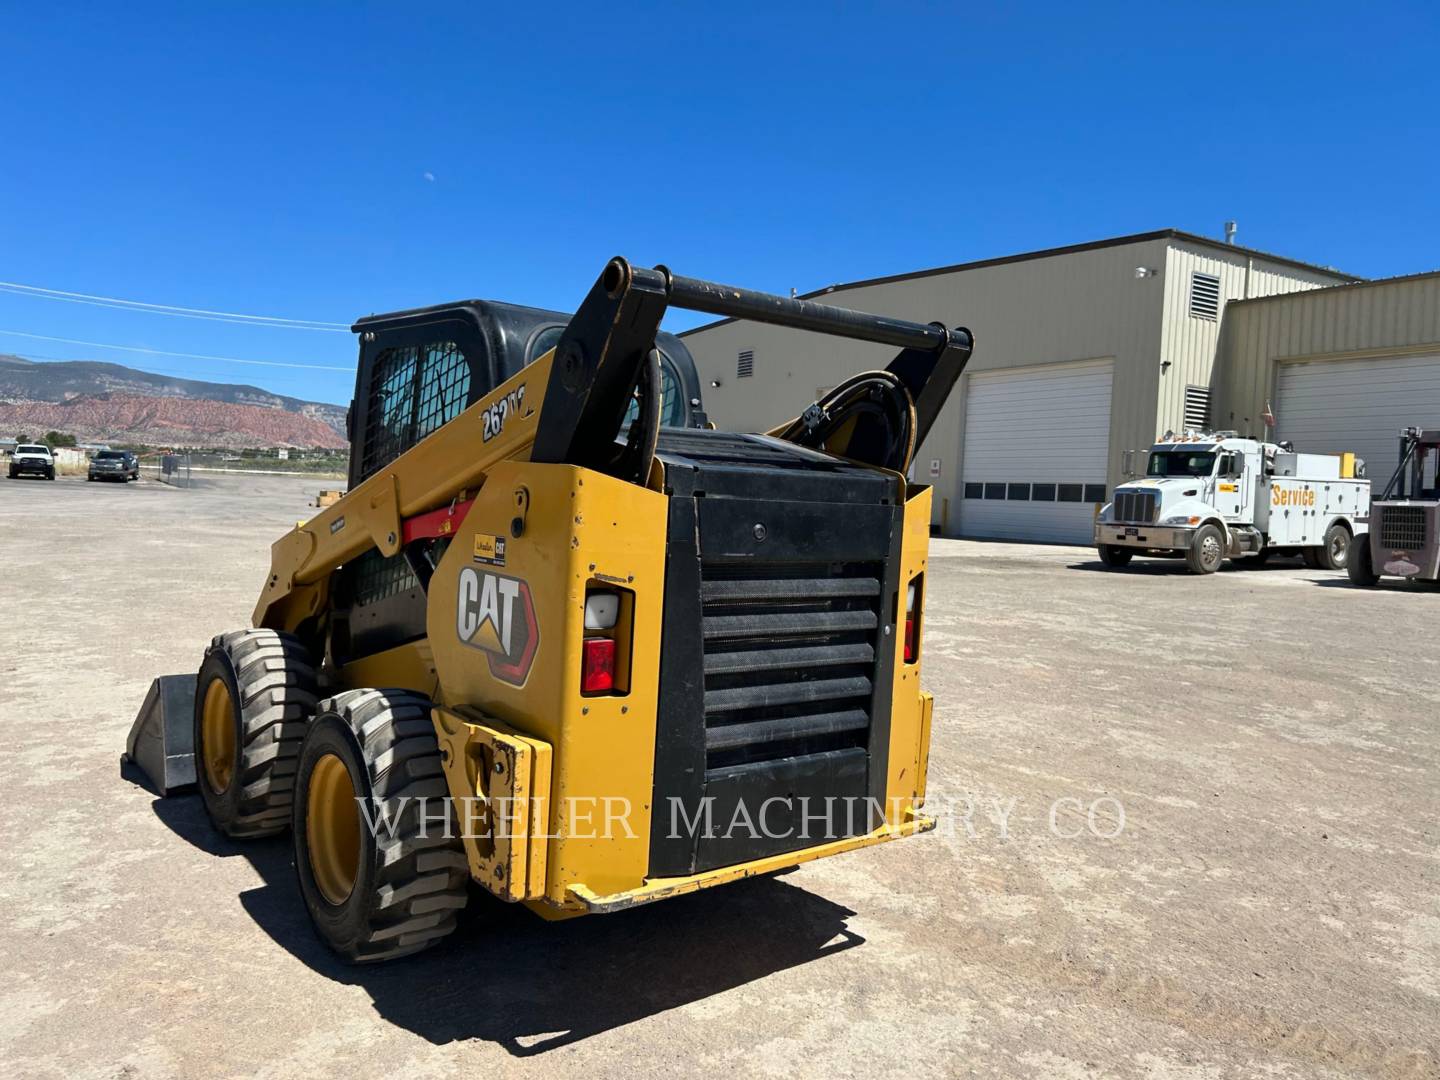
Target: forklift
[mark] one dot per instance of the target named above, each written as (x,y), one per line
(1404,523)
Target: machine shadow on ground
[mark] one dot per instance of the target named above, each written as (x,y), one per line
(530,986)
(1393,586)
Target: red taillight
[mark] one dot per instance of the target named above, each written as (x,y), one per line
(912,620)
(597,666)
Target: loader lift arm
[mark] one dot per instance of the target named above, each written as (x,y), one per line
(604,358)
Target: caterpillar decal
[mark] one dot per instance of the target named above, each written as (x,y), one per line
(495,614)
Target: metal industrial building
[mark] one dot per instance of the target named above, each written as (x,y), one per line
(1084,354)
(1342,368)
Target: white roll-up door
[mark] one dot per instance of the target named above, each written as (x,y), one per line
(1328,407)
(1035,451)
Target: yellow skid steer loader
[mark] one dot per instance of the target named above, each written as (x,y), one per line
(564,639)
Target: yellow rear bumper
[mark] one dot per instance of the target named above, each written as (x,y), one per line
(665,888)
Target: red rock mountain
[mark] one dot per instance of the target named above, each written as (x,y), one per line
(167,421)
(102,402)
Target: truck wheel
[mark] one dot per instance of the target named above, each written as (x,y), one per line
(397,888)
(1334,551)
(1361,565)
(1207,550)
(255,690)
(1115,556)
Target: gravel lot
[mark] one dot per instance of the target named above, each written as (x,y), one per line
(1241,881)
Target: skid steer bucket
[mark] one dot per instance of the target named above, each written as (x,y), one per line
(162,739)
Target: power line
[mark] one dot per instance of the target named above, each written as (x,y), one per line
(275,321)
(182,355)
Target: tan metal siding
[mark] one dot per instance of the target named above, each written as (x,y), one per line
(1387,318)
(1069,306)
(1189,343)
(1074,306)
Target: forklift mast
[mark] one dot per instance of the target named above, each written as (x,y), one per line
(1419,454)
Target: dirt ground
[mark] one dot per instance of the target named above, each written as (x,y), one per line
(1189,829)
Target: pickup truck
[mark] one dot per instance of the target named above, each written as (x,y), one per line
(32,459)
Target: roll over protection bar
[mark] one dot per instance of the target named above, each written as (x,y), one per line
(600,358)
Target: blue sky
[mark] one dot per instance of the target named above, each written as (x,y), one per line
(322,161)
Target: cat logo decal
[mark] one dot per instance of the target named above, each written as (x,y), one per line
(495,614)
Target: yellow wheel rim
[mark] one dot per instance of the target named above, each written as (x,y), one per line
(332,829)
(217,736)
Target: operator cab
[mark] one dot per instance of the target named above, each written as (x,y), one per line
(419,369)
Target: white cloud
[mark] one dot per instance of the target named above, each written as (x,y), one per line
(430,176)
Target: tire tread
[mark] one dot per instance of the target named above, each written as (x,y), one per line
(420,876)
(275,679)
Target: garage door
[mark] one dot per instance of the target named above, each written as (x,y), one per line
(1360,405)
(1036,446)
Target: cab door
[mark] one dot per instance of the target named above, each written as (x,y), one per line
(1231,498)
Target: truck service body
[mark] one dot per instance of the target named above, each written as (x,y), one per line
(1210,497)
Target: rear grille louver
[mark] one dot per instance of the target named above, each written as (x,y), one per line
(1402,528)
(790,656)
(1138,507)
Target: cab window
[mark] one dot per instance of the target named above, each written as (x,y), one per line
(672,399)
(1181,463)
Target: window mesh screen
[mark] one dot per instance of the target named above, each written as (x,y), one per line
(377,577)
(444,385)
(413,390)
(390,409)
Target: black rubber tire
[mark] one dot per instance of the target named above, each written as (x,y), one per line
(50,475)
(1334,550)
(271,681)
(1115,556)
(1361,565)
(1207,550)
(1310,556)
(412,880)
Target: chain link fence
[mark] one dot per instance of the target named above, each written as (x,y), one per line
(173,469)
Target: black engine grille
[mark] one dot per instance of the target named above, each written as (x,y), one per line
(1402,527)
(790,652)
(1136,506)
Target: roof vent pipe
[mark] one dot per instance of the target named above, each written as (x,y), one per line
(1229,232)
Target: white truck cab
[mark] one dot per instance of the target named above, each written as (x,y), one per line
(1213,496)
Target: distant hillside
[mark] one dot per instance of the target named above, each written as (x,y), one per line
(24,380)
(167,421)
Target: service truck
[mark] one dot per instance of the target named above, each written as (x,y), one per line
(1212,496)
